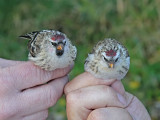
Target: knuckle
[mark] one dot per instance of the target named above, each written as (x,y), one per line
(29,71)
(108,91)
(51,96)
(94,115)
(65,71)
(40,74)
(36,73)
(62,71)
(44,75)
(71,98)
(106,88)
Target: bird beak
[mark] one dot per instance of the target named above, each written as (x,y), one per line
(60,47)
(111,65)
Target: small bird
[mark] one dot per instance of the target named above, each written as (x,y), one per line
(50,49)
(108,60)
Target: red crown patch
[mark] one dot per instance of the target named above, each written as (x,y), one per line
(111,53)
(58,37)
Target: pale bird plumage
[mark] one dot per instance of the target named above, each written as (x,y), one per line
(108,60)
(50,49)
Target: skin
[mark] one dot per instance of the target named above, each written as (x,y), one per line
(26,91)
(89,98)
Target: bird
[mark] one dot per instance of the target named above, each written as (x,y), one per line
(50,49)
(109,59)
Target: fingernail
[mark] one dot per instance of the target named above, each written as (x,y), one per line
(121,99)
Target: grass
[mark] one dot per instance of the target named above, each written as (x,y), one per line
(134,23)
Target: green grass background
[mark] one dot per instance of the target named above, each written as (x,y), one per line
(135,23)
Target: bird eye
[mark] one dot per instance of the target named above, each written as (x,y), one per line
(105,59)
(54,44)
(116,60)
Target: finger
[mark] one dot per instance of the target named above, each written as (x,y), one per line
(109,113)
(28,75)
(42,115)
(80,102)
(136,108)
(41,97)
(6,63)
(83,80)
(118,86)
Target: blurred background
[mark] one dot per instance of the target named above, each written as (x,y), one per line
(135,23)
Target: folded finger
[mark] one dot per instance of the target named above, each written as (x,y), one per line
(80,102)
(83,80)
(28,75)
(42,97)
(109,113)
(118,86)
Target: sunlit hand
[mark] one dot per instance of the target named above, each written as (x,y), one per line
(26,91)
(89,98)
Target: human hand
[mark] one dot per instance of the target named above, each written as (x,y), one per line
(89,98)
(26,91)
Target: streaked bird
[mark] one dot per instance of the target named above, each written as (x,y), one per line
(108,60)
(50,49)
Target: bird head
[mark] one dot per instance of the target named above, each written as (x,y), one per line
(58,40)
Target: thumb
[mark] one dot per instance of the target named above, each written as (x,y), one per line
(136,108)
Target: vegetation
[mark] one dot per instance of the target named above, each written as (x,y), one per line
(135,23)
